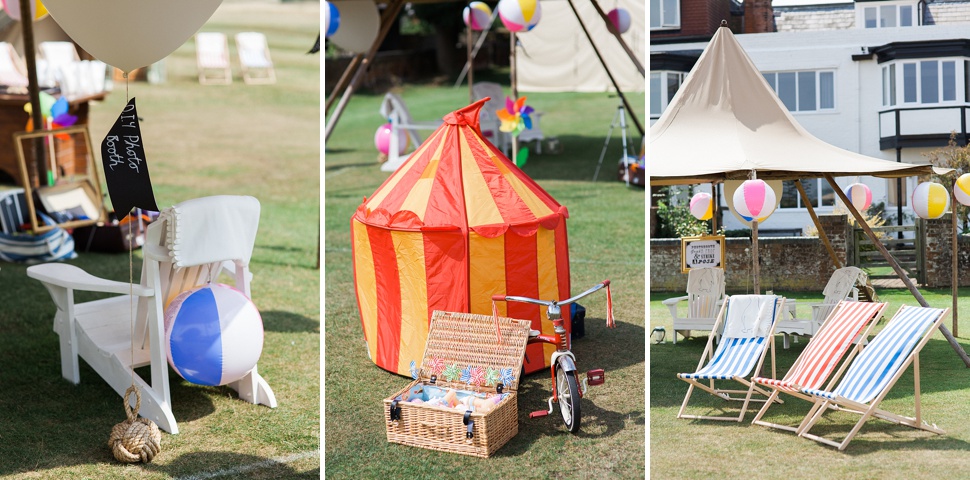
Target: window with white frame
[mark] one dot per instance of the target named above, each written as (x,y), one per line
(926,81)
(663,86)
(664,14)
(886,14)
(818,191)
(805,90)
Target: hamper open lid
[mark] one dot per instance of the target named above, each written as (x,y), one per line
(463,349)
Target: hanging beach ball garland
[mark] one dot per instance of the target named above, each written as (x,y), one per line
(930,200)
(860,195)
(754,200)
(961,189)
(477,16)
(620,18)
(519,15)
(331,18)
(702,206)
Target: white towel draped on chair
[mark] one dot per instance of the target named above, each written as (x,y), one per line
(232,219)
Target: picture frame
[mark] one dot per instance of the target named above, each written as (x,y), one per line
(75,199)
(702,251)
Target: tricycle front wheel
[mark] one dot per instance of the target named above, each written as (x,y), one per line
(567,387)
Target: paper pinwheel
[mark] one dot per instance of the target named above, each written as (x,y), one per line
(515,116)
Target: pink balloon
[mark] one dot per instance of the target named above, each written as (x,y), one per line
(382,139)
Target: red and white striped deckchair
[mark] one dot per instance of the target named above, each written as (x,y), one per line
(874,372)
(749,326)
(817,362)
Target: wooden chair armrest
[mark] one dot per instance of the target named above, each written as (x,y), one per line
(673,301)
(71,277)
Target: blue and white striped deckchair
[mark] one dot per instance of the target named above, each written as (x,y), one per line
(749,325)
(874,372)
(51,246)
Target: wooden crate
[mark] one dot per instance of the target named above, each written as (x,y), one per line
(463,353)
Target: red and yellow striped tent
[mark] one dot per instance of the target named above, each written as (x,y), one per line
(457,223)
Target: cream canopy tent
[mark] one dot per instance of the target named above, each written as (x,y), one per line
(725,123)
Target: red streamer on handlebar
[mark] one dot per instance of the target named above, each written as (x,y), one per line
(498,330)
(610,321)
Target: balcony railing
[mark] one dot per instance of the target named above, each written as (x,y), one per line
(924,126)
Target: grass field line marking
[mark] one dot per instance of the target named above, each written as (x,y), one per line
(254,466)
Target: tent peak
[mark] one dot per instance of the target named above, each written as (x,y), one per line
(467,115)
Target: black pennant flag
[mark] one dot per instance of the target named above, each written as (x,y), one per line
(125,166)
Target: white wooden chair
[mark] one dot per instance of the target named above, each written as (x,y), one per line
(705,293)
(57,63)
(396,112)
(253,51)
(189,245)
(212,57)
(13,70)
(842,285)
(488,119)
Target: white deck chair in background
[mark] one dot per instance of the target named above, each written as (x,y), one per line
(396,112)
(212,57)
(13,71)
(844,284)
(705,292)
(488,119)
(180,253)
(257,67)
(56,62)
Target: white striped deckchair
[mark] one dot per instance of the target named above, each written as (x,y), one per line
(815,364)
(212,58)
(749,325)
(874,372)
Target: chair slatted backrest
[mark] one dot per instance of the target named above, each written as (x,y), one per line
(13,73)
(839,287)
(253,50)
(212,49)
(705,288)
(888,351)
(829,345)
(737,355)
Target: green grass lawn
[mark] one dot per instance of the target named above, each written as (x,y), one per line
(200,140)
(606,240)
(691,449)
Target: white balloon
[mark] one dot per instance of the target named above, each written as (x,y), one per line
(131,34)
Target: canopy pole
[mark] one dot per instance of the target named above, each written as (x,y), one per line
(714,209)
(954,259)
(342,83)
(818,224)
(470,64)
(515,93)
(626,103)
(896,268)
(613,30)
(387,20)
(33,88)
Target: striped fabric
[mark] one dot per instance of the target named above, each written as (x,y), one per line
(734,357)
(212,50)
(454,225)
(823,353)
(50,246)
(879,361)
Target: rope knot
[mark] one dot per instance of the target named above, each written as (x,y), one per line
(135,439)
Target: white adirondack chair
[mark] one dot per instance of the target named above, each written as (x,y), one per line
(705,292)
(842,285)
(212,58)
(257,66)
(396,112)
(189,245)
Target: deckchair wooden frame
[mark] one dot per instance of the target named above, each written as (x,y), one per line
(708,354)
(212,73)
(872,409)
(255,74)
(850,354)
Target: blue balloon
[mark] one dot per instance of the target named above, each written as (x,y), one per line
(333,16)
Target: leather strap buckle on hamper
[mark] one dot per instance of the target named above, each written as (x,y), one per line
(499,388)
(395,411)
(467,420)
(433,379)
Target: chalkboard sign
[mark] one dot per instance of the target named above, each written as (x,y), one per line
(701,252)
(125,165)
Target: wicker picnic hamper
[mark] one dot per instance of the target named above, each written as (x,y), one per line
(463,353)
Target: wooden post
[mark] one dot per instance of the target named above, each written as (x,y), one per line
(756,266)
(818,224)
(471,65)
(387,20)
(515,92)
(626,103)
(896,268)
(33,89)
(954,259)
(714,202)
(344,80)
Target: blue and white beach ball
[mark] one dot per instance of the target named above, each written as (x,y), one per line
(213,335)
(331,18)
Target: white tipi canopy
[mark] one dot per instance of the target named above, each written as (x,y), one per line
(725,121)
